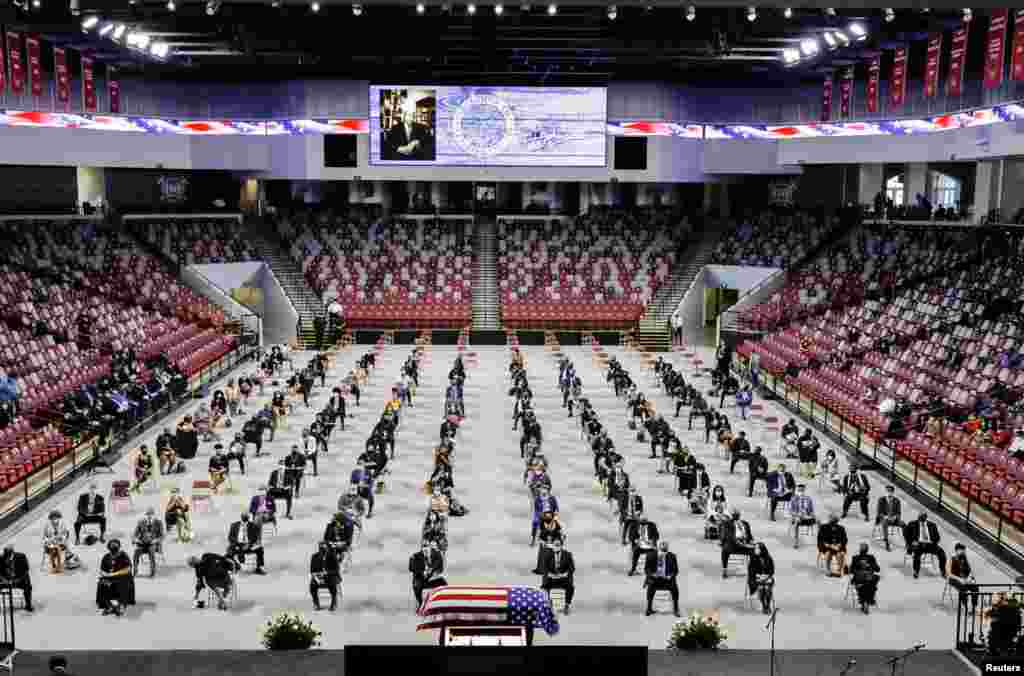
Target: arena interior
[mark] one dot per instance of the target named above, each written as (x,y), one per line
(488,316)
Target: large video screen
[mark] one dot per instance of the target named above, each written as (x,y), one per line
(488,126)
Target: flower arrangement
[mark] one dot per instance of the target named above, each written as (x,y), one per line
(697,633)
(288,631)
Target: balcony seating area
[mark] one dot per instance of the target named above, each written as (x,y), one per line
(775,240)
(73,296)
(397,274)
(197,241)
(950,349)
(869,261)
(599,273)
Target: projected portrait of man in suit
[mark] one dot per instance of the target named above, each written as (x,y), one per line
(407,125)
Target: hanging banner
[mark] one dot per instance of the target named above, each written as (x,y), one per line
(1018,46)
(826,100)
(3,66)
(35,67)
(61,75)
(995,48)
(17,66)
(898,79)
(88,85)
(874,72)
(113,90)
(846,92)
(931,67)
(957,54)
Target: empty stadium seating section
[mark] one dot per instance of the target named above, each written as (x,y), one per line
(599,272)
(71,293)
(940,328)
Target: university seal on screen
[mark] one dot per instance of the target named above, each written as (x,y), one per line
(173,189)
(483,125)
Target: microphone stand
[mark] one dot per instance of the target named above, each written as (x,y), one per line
(892,662)
(771,632)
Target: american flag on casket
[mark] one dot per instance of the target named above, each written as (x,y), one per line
(454,606)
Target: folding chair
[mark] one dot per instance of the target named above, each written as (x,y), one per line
(557,597)
(850,595)
(202,494)
(157,554)
(120,494)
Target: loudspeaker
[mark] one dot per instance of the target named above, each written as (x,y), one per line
(631,153)
(340,151)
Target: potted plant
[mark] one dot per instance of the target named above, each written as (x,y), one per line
(1005,616)
(697,633)
(288,631)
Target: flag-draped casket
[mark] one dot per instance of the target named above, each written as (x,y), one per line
(454,606)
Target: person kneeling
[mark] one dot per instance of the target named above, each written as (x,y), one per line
(213,571)
(324,571)
(116,587)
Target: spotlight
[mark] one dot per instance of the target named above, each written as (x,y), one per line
(842,37)
(73,7)
(420,8)
(788,12)
(119,31)
(138,40)
(751,14)
(830,11)
(471,9)
(159,50)
(613,12)
(691,13)
(830,40)
(357,10)
(890,14)
(499,10)
(552,9)
(171,6)
(315,6)
(968,15)
(858,31)
(90,22)
(790,55)
(106,28)
(276,4)
(212,7)
(809,46)
(37,4)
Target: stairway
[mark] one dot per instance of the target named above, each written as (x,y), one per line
(486,302)
(289,276)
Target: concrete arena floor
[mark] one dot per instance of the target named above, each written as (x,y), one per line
(491,544)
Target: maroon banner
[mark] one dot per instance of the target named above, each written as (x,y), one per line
(88,85)
(113,90)
(826,100)
(17,65)
(931,67)
(3,66)
(874,73)
(957,54)
(61,75)
(35,67)
(1018,46)
(995,48)
(898,79)
(846,92)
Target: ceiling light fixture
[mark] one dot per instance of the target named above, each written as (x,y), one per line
(499,10)
(276,4)
(471,9)
(691,13)
(159,50)
(37,4)
(119,31)
(830,40)
(788,12)
(171,6)
(968,15)
(552,9)
(212,7)
(315,6)
(90,22)
(842,37)
(858,31)
(790,55)
(357,10)
(613,12)
(890,14)
(106,28)
(830,11)
(74,8)
(420,8)
(809,46)
(751,14)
